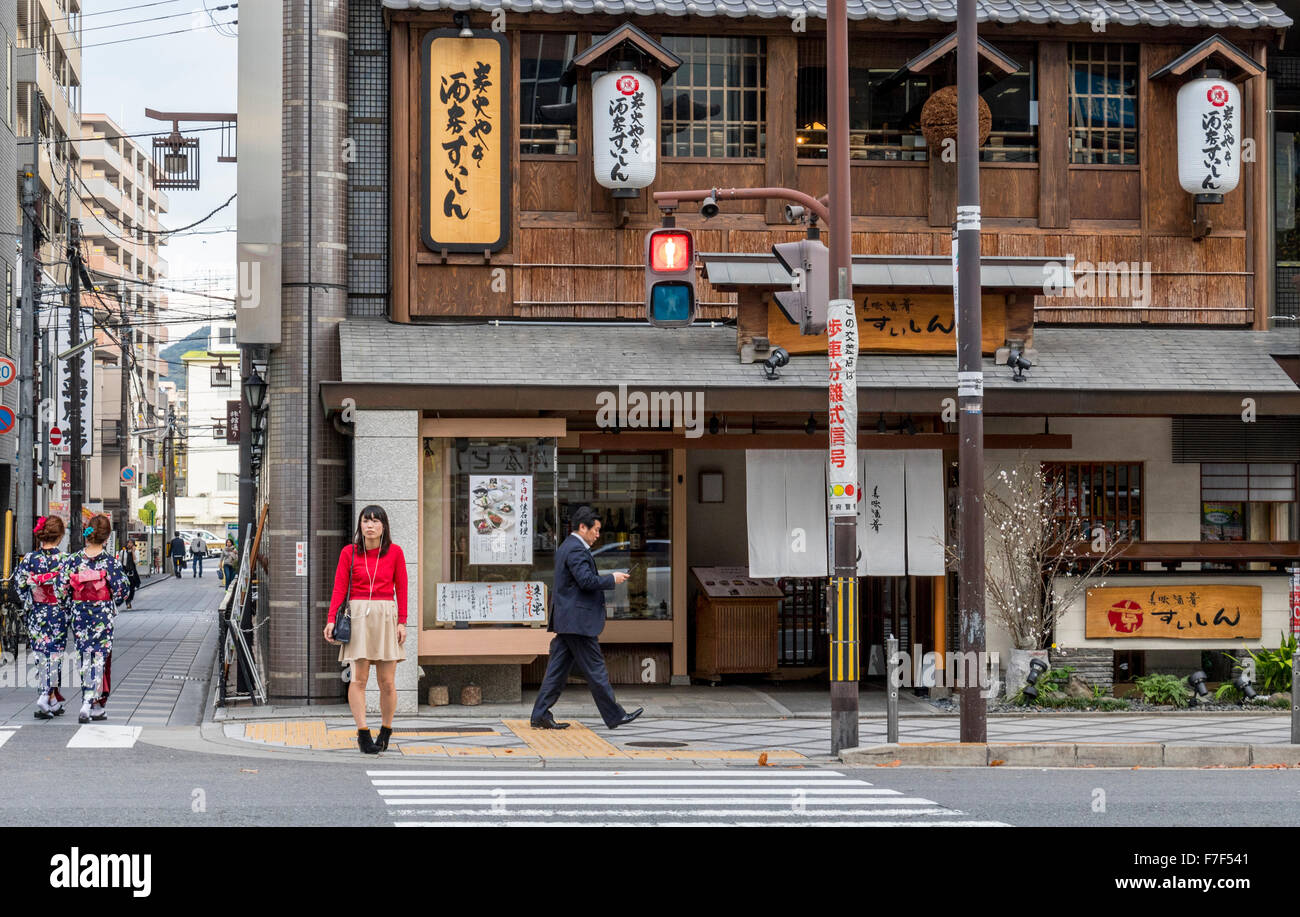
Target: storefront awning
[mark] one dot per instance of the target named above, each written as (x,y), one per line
(527,367)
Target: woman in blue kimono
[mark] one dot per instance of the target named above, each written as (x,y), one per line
(91,581)
(36,580)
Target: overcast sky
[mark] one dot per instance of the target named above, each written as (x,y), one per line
(192,71)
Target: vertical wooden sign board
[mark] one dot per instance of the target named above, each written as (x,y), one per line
(465,141)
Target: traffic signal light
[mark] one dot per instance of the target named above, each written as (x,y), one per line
(669,278)
(808,262)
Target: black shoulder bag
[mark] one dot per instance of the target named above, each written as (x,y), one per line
(343,620)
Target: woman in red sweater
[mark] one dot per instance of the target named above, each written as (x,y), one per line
(372,575)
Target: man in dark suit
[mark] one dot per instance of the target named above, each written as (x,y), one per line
(577,618)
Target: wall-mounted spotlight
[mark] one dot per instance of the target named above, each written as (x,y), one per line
(709,207)
(1242,683)
(881,426)
(1197,680)
(811,426)
(777,358)
(714,424)
(462,22)
(908,428)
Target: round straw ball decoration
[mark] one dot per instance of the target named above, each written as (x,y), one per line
(939,118)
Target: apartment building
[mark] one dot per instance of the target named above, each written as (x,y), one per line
(9,329)
(120,212)
(47,64)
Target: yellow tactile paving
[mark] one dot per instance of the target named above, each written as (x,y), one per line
(575,742)
(578,741)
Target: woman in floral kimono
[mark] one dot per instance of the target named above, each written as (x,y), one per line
(91,581)
(36,580)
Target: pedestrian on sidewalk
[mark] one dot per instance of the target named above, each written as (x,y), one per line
(371,580)
(577,618)
(198,551)
(126,557)
(36,581)
(178,554)
(229,561)
(92,581)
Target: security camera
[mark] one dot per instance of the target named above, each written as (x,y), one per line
(794,213)
(709,208)
(777,358)
(1017,361)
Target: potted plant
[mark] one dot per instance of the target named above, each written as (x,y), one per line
(1039,558)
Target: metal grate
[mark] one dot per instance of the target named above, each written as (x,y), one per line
(1284,71)
(1286,296)
(715,104)
(367,155)
(1103,103)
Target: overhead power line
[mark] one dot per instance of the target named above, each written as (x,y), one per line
(120,9)
(199,28)
(117,25)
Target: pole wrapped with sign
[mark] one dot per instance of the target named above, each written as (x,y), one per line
(465,142)
(842,362)
(1209,139)
(625,130)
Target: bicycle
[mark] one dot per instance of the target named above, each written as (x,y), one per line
(13,621)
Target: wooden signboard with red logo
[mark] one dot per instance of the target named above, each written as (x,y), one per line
(894,322)
(1179,611)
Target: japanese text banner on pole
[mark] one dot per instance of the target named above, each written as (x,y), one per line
(842,360)
(785,515)
(465,145)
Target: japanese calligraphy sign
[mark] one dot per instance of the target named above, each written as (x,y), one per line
(1202,611)
(903,322)
(882,522)
(232,421)
(842,366)
(492,602)
(500,519)
(625,129)
(1209,137)
(465,147)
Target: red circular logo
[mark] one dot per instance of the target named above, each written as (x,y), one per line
(627,84)
(1125,616)
(1217,95)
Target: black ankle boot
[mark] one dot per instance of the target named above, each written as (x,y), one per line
(366,743)
(381,741)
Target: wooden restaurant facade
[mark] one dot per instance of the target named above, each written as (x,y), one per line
(506,374)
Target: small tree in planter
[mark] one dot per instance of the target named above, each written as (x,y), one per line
(1039,558)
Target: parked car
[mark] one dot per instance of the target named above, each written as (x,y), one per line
(656,558)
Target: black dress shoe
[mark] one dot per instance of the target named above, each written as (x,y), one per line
(548,723)
(628,717)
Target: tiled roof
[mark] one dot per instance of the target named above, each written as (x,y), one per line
(726,269)
(1213,14)
(580,355)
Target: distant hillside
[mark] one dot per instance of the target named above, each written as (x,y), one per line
(171,354)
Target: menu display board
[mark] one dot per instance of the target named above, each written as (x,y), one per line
(501,519)
(735,582)
(492,602)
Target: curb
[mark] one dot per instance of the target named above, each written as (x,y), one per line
(1070,754)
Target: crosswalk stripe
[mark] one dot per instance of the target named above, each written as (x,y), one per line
(102,735)
(6,733)
(617,798)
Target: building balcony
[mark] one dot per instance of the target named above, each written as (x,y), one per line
(99,152)
(104,191)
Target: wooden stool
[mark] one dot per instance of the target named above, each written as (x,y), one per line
(471,696)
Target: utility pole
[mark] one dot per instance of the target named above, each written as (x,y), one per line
(970,379)
(47,399)
(74,396)
(124,429)
(169,453)
(26,363)
(842,499)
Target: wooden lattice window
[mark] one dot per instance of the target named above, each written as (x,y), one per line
(1105,494)
(1103,103)
(715,105)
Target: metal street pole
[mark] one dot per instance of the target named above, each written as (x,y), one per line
(27,367)
(124,431)
(74,396)
(247,484)
(844,601)
(169,511)
(47,398)
(970,380)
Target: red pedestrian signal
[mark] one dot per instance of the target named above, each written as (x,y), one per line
(670,278)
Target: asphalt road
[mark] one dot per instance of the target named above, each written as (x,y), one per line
(50,780)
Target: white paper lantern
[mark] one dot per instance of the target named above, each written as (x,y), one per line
(1209,138)
(625,129)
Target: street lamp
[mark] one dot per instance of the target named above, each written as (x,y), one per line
(255,391)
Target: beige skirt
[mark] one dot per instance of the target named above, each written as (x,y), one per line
(374,632)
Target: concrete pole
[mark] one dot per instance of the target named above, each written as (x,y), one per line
(26,366)
(75,540)
(844,643)
(970,374)
(891,689)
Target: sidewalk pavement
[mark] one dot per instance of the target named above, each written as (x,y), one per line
(775,723)
(163,651)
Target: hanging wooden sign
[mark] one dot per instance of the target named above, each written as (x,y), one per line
(465,143)
(894,322)
(1199,611)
